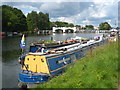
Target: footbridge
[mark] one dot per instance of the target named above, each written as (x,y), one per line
(65,29)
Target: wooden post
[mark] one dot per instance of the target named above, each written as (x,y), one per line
(22,51)
(91,50)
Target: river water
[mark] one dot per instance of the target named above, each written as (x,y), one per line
(11,51)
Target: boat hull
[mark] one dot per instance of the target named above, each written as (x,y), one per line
(32,78)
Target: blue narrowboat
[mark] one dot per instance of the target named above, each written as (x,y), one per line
(43,62)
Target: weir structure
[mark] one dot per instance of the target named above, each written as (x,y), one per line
(64,29)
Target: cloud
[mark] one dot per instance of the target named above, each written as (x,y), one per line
(65,9)
(91,13)
(27,7)
(73,11)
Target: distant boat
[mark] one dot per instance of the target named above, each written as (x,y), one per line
(9,34)
(2,34)
(15,33)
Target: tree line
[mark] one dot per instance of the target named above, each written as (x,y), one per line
(13,20)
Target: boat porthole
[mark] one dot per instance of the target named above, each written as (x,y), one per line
(57,62)
(28,59)
(42,60)
(27,66)
(34,59)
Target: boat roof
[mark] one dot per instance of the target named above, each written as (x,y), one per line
(69,47)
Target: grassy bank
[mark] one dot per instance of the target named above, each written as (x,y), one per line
(99,70)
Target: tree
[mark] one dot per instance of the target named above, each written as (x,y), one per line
(70,25)
(43,21)
(117,28)
(89,27)
(104,26)
(13,19)
(38,21)
(32,20)
(62,24)
(78,26)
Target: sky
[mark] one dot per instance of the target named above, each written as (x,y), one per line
(78,12)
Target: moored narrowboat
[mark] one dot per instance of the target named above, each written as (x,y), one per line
(45,61)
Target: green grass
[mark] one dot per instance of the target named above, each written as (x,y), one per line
(99,70)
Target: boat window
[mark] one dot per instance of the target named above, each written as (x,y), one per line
(28,59)
(33,48)
(42,60)
(34,58)
(73,57)
(57,62)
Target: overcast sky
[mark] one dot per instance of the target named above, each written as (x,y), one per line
(78,12)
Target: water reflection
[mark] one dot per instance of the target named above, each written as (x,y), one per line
(10,55)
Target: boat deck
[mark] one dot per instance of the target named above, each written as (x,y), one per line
(69,48)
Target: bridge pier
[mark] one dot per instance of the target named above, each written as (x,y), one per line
(64,29)
(44,32)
